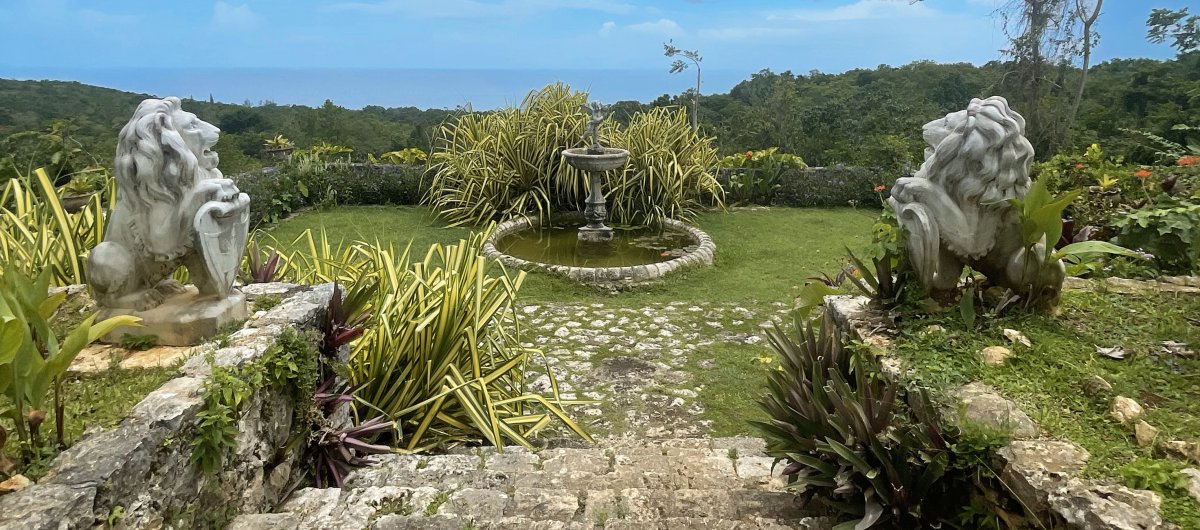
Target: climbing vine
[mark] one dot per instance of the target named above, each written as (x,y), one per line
(291,362)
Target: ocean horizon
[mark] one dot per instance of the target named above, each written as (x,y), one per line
(355,88)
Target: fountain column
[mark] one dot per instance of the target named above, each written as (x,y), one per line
(595,159)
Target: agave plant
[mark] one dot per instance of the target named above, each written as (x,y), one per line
(37,233)
(670,170)
(867,447)
(442,356)
(508,163)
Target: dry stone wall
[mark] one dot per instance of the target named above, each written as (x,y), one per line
(139,475)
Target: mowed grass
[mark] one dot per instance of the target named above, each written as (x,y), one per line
(1046,379)
(762,254)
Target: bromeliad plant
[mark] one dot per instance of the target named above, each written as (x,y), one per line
(32,359)
(864,445)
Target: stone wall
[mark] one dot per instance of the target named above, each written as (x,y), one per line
(139,475)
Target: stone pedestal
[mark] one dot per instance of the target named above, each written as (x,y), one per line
(185,319)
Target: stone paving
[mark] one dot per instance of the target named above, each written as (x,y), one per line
(637,364)
(721,483)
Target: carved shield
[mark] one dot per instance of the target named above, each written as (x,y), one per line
(221,232)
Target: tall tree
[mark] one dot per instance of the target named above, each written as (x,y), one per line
(1087,17)
(670,50)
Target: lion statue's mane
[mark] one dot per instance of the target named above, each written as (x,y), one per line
(955,209)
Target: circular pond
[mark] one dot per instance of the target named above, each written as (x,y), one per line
(634,255)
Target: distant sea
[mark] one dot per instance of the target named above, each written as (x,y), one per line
(356,88)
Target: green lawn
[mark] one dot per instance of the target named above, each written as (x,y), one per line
(762,255)
(1046,378)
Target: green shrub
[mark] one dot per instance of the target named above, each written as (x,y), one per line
(869,448)
(1170,231)
(1107,183)
(310,181)
(509,163)
(753,176)
(669,174)
(836,186)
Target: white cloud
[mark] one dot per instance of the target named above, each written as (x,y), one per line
(481,8)
(662,27)
(860,10)
(607,28)
(236,17)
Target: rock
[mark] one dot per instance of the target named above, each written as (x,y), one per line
(1144,433)
(1125,410)
(1034,467)
(985,405)
(1193,482)
(1016,337)
(48,506)
(16,483)
(1094,385)
(1183,450)
(995,355)
(1091,505)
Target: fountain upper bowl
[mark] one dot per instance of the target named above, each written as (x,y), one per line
(593,159)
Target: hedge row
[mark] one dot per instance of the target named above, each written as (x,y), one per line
(276,192)
(822,186)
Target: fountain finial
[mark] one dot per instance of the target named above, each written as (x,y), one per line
(598,112)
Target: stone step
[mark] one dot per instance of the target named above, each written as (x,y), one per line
(287,521)
(678,483)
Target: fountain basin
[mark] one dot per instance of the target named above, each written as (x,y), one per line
(596,159)
(597,263)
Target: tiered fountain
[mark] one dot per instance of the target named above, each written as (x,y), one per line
(596,253)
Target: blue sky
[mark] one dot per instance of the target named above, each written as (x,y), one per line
(86,40)
(800,35)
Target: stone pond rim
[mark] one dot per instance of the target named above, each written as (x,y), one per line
(703,255)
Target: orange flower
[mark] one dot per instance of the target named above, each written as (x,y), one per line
(1142,174)
(1079,166)
(1190,160)
(749,154)
(880,188)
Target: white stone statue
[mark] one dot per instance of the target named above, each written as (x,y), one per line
(955,209)
(173,208)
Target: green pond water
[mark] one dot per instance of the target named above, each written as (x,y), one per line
(559,245)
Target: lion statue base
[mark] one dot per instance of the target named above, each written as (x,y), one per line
(955,210)
(174,209)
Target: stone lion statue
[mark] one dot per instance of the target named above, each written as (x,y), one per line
(173,208)
(955,209)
